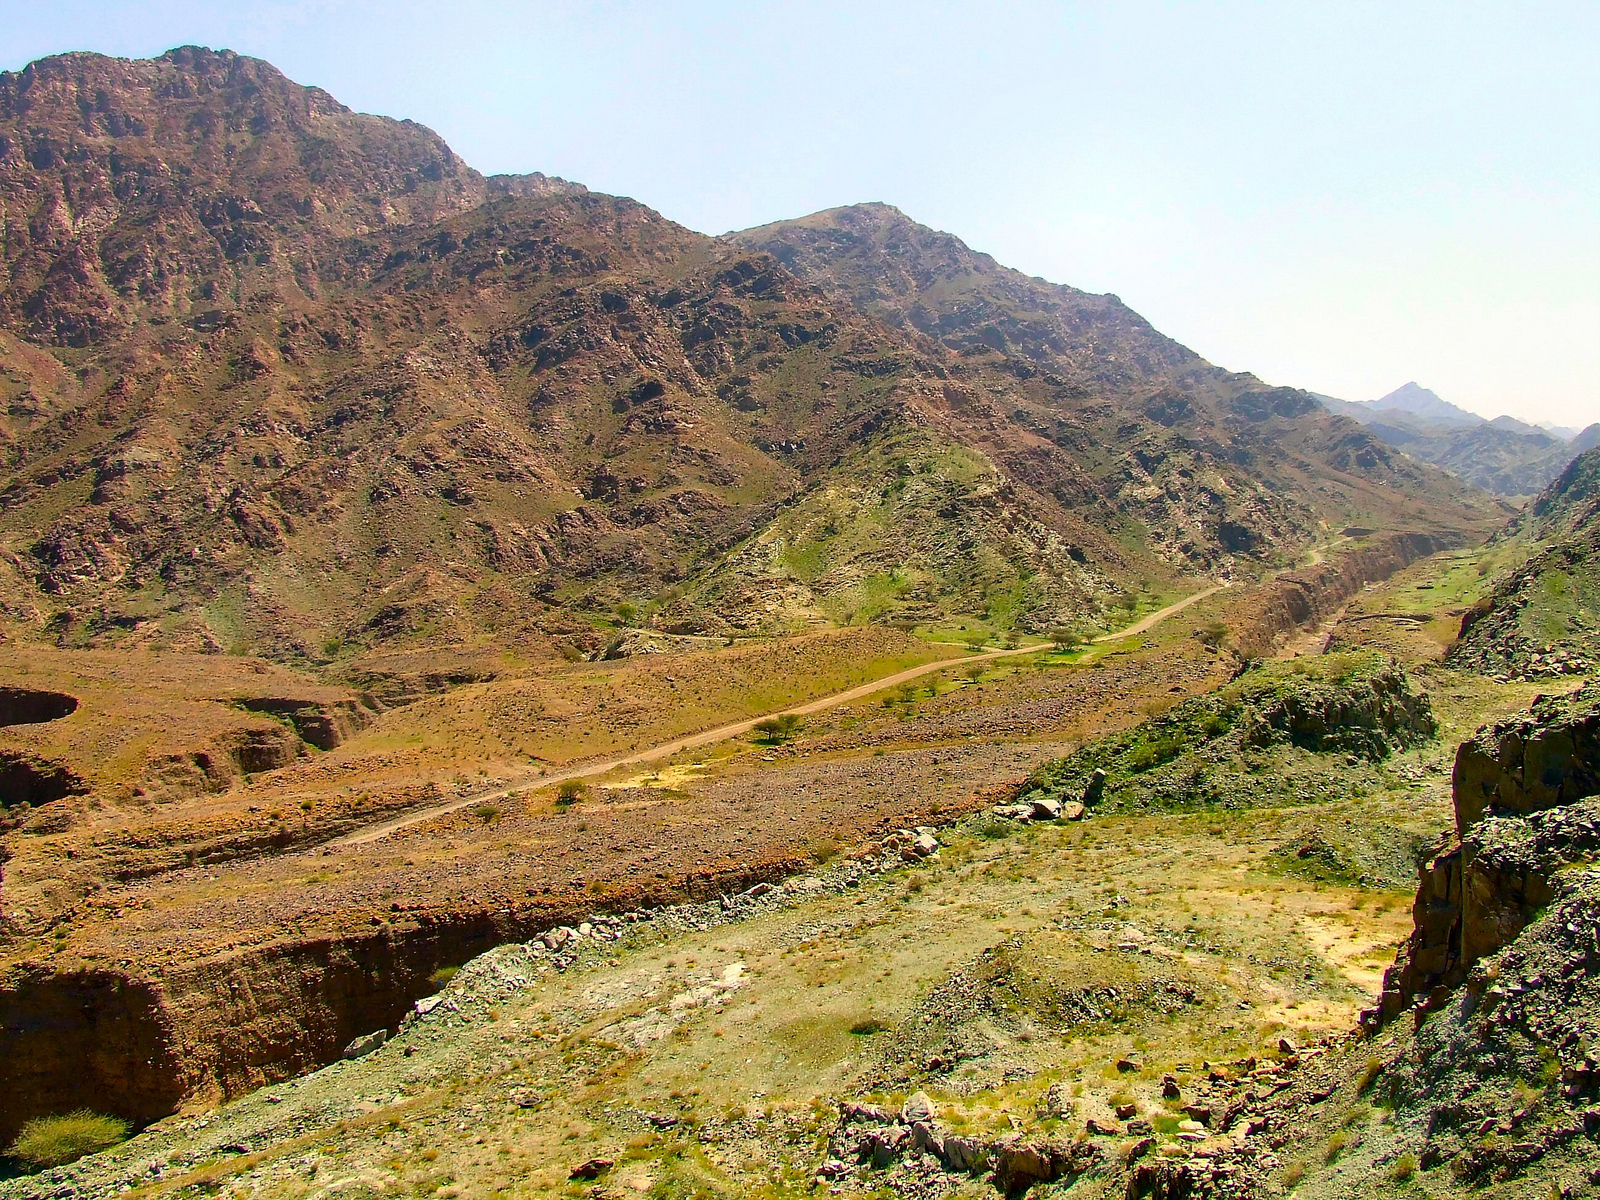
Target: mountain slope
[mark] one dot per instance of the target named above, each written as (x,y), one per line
(1543,619)
(285,378)
(1208,463)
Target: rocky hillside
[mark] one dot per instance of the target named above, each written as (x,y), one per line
(1499,1081)
(1255,742)
(283,377)
(1543,619)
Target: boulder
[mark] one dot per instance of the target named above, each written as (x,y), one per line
(1096,788)
(925,845)
(363,1046)
(592,1169)
(1046,809)
(965,1154)
(918,1107)
(1072,811)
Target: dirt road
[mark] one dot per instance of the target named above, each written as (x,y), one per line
(373,833)
(1161,614)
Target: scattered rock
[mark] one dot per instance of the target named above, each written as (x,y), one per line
(592,1169)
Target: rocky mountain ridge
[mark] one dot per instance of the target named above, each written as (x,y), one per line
(283,377)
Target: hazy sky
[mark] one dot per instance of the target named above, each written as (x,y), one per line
(1338,196)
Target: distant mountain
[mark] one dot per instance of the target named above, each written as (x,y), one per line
(1505,456)
(1561,431)
(1587,439)
(1414,401)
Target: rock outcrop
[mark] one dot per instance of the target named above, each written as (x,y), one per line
(1523,793)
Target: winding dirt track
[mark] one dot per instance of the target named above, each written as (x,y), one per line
(373,833)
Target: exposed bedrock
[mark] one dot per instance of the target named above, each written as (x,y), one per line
(325,725)
(1527,798)
(1298,599)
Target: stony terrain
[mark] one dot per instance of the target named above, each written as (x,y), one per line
(503,694)
(1033,979)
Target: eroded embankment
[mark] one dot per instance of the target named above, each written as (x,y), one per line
(1304,598)
(219,1026)
(100,1038)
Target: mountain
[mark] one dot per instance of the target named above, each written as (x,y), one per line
(1587,439)
(1413,401)
(1504,456)
(283,378)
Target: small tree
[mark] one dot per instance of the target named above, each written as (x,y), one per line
(570,792)
(1066,639)
(778,729)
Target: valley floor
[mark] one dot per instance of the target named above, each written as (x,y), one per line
(1037,977)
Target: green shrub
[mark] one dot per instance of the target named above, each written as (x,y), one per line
(868,1027)
(486,812)
(1404,1168)
(442,976)
(53,1141)
(571,791)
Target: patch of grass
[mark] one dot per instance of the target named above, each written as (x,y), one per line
(868,1027)
(53,1141)
(442,976)
(1404,1168)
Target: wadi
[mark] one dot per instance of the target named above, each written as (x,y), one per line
(503,694)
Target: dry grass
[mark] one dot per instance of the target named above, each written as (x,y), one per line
(52,1141)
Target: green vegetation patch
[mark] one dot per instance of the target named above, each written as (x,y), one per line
(1264,739)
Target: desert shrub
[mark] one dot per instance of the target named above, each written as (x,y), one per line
(570,792)
(1294,1173)
(868,1027)
(442,976)
(1369,1075)
(1336,1144)
(486,812)
(1404,1168)
(52,1141)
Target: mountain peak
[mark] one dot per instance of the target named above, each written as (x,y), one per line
(1414,400)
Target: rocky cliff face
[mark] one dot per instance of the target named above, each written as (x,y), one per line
(1523,814)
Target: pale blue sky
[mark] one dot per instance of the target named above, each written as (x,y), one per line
(1337,196)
